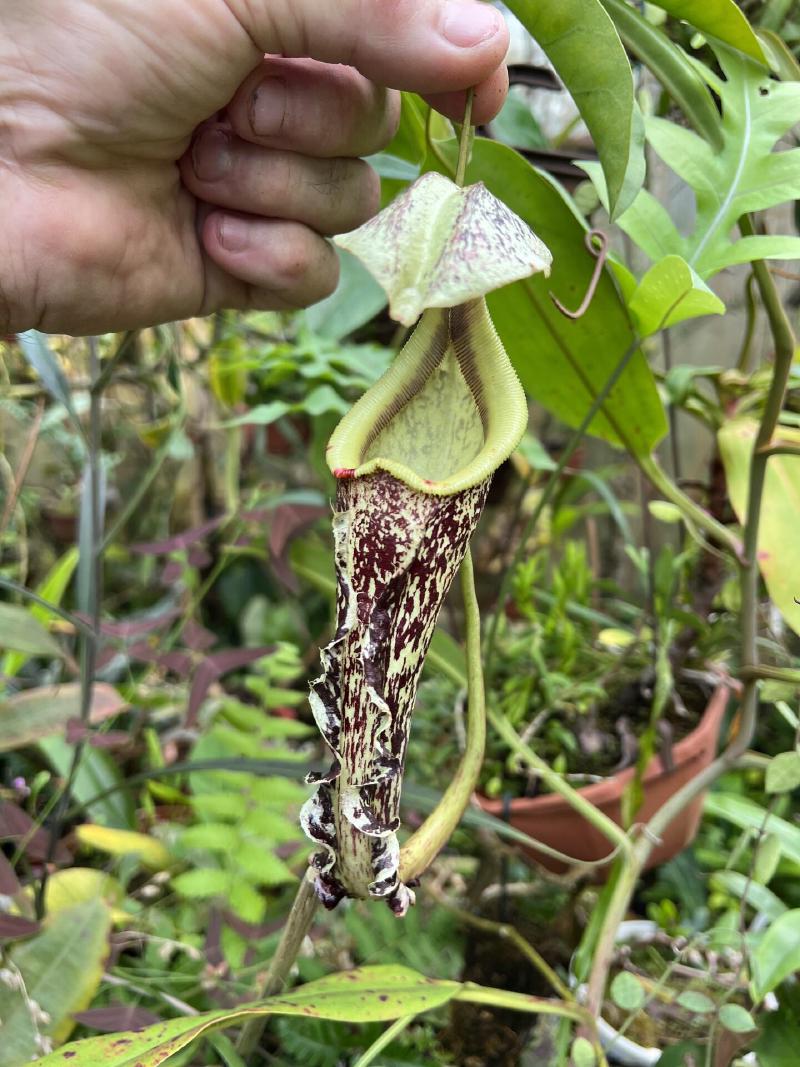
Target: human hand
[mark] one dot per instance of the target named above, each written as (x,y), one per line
(155,166)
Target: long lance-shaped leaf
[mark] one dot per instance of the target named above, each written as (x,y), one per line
(413,460)
(363,995)
(581,42)
(671,66)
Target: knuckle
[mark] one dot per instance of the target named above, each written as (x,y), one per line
(391,120)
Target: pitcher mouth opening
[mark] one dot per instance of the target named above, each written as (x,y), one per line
(445,415)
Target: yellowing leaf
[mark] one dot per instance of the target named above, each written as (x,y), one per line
(437,245)
(81,885)
(151,852)
(616,638)
(61,968)
(778,558)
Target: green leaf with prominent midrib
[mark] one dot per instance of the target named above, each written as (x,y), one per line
(560,361)
(581,42)
(718,18)
(746,175)
(366,994)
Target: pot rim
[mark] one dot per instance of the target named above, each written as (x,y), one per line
(685,752)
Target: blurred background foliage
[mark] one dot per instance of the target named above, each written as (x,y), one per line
(166,580)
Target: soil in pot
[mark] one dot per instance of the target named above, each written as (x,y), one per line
(490,1037)
(691,747)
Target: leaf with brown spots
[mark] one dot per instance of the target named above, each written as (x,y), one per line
(367,994)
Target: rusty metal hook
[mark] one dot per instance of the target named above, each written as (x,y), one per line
(600,252)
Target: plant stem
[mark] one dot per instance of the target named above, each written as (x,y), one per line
(554,781)
(89,598)
(784,340)
(502,998)
(294,932)
(465,140)
(544,500)
(693,512)
(506,932)
(763,670)
(433,835)
(743,362)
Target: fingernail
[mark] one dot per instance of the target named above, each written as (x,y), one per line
(466,23)
(211,155)
(268,107)
(234,233)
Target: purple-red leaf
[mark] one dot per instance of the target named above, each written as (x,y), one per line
(16,824)
(9,885)
(286,523)
(213,667)
(180,541)
(78,731)
(15,927)
(116,1017)
(128,628)
(178,662)
(197,637)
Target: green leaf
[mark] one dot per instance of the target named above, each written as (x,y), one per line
(246,902)
(22,632)
(52,589)
(323,399)
(698,1003)
(778,558)
(260,415)
(367,994)
(558,360)
(777,1045)
(582,1053)
(781,59)
(35,714)
(736,1019)
(665,512)
(516,126)
(783,773)
(216,837)
(767,859)
(722,19)
(746,175)
(627,992)
(61,969)
(81,885)
(97,772)
(202,883)
(776,956)
(671,292)
(748,815)
(581,42)
(759,898)
(263,866)
(357,298)
(37,352)
(671,66)
(679,1055)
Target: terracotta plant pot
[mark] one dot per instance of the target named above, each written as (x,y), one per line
(551,820)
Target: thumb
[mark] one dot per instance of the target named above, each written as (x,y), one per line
(428,46)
